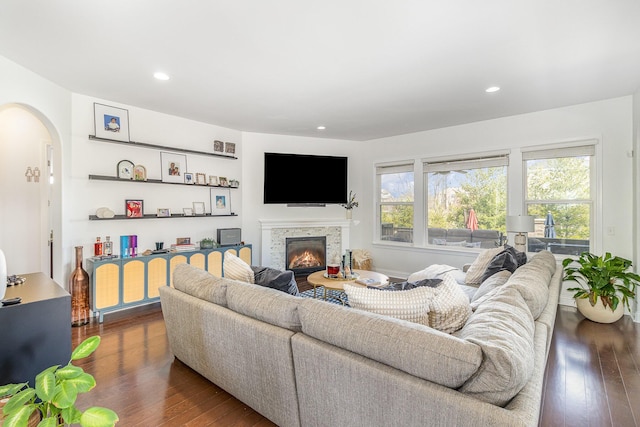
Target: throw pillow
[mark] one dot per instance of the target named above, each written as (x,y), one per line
(431,272)
(479,265)
(503,261)
(449,308)
(412,305)
(521,257)
(235,268)
(284,281)
(405,286)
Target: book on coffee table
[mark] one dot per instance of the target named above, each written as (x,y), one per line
(368,282)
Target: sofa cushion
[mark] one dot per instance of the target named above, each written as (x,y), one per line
(200,284)
(505,260)
(479,265)
(284,281)
(449,308)
(532,281)
(411,305)
(487,286)
(235,268)
(504,328)
(425,352)
(264,304)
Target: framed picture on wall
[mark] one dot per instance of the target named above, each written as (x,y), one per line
(220,201)
(134,208)
(173,167)
(111,122)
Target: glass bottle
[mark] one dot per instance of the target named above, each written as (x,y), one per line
(97,247)
(107,247)
(79,290)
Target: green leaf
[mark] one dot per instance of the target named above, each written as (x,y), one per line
(19,417)
(49,422)
(46,385)
(71,415)
(19,399)
(65,395)
(11,389)
(98,417)
(69,371)
(85,348)
(83,383)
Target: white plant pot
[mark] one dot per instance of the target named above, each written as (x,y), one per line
(599,313)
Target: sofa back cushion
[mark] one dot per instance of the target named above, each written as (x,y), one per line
(264,304)
(410,347)
(504,328)
(200,284)
(488,285)
(532,281)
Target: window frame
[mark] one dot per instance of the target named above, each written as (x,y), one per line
(589,148)
(401,166)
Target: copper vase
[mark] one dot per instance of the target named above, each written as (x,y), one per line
(79,289)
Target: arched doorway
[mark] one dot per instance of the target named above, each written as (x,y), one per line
(30,196)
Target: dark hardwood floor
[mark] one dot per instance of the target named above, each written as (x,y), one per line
(592,378)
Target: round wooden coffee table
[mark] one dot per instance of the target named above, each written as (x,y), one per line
(317,279)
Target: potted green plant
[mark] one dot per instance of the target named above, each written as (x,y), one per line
(207,243)
(55,394)
(604,281)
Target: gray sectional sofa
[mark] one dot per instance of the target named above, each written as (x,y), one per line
(305,362)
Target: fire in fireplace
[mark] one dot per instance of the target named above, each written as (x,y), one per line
(306,254)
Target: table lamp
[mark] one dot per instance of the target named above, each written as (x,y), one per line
(520,224)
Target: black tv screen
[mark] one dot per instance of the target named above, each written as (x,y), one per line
(304,179)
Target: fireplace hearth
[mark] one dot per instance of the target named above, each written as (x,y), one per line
(305,255)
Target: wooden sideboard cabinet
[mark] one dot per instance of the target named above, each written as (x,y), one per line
(121,283)
(36,333)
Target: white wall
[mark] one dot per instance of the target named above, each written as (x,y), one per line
(254,146)
(636,194)
(608,121)
(101,158)
(52,105)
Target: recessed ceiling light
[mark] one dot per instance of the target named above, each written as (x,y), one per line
(321,127)
(492,89)
(161,76)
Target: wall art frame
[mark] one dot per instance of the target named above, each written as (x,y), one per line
(134,208)
(111,122)
(173,167)
(220,201)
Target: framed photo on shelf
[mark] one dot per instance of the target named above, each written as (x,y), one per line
(164,212)
(134,208)
(223,181)
(188,178)
(220,201)
(111,122)
(218,146)
(198,208)
(230,148)
(173,167)
(187,211)
(139,173)
(213,180)
(201,179)
(183,241)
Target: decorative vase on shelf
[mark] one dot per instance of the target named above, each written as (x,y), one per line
(79,289)
(349,213)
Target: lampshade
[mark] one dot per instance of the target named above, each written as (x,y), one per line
(520,223)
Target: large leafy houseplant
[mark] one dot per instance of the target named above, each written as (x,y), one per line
(55,394)
(605,277)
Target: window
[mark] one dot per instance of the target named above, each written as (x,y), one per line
(466,201)
(395,202)
(559,194)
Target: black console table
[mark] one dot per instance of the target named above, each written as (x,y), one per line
(36,333)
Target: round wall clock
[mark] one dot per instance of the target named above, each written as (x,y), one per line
(125,169)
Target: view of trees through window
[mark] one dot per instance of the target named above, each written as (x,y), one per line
(396,206)
(452,194)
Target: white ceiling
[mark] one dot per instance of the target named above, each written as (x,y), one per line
(363,68)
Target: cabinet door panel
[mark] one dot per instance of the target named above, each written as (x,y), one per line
(214,263)
(197,260)
(133,281)
(245,255)
(156,276)
(107,281)
(173,262)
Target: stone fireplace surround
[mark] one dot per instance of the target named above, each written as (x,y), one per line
(275,232)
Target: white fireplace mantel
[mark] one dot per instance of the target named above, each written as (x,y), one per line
(296,227)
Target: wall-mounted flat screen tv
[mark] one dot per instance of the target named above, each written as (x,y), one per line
(301,179)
